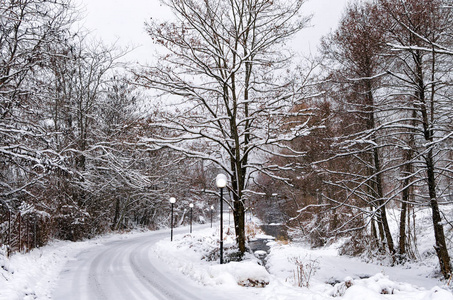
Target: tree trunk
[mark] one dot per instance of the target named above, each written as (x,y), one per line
(402,235)
(405,197)
(386,228)
(239,224)
(441,246)
(117,214)
(402,247)
(381,232)
(238,207)
(379,193)
(428,131)
(373,228)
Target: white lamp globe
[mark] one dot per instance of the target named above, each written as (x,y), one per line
(191,205)
(172,200)
(221,181)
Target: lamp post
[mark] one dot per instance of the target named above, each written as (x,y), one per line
(191,207)
(221,182)
(172,201)
(212,208)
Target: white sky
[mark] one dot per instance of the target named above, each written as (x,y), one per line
(122,21)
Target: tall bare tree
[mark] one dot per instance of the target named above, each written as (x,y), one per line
(423,75)
(28,29)
(355,49)
(224,67)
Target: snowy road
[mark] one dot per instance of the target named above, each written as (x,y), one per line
(126,269)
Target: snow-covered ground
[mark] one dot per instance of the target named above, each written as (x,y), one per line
(331,275)
(35,275)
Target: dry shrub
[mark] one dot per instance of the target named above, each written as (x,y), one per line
(305,269)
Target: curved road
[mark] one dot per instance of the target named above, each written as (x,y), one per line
(127,269)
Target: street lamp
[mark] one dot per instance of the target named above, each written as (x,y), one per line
(212,208)
(172,201)
(221,182)
(191,207)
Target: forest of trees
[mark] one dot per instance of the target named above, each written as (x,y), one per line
(71,163)
(386,135)
(88,145)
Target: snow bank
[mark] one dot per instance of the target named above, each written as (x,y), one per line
(196,255)
(350,278)
(379,285)
(323,274)
(31,275)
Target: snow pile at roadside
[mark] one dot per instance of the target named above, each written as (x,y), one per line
(379,285)
(297,272)
(350,278)
(30,275)
(197,256)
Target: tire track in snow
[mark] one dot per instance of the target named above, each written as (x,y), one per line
(111,276)
(94,276)
(165,287)
(122,269)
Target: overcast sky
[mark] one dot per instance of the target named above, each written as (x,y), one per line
(122,21)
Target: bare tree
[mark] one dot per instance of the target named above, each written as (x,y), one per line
(224,67)
(27,31)
(355,49)
(389,55)
(69,157)
(27,28)
(423,74)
